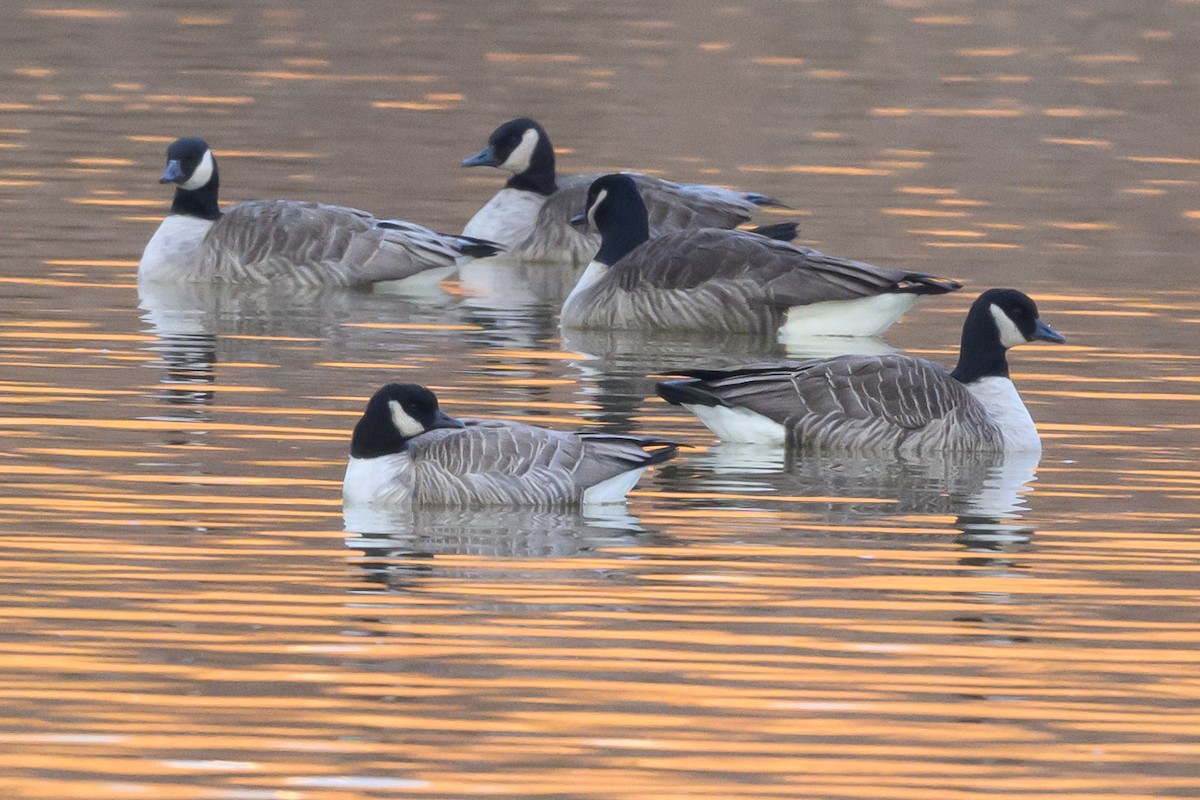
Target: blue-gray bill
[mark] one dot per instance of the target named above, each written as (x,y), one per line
(173,174)
(1045,333)
(484,158)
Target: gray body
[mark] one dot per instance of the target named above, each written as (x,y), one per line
(537,228)
(733,282)
(893,403)
(882,404)
(494,462)
(301,243)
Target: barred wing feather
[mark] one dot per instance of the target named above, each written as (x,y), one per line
(499,462)
(862,403)
(267,241)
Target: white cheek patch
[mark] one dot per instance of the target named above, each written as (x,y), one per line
(407,426)
(592,208)
(518,161)
(1010,334)
(202,175)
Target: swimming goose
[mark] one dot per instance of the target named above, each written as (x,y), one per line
(885,403)
(529,216)
(276,241)
(716,280)
(406,450)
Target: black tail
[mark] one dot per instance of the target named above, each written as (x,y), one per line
(783,231)
(920,283)
(479,248)
(688,391)
(763,200)
(656,450)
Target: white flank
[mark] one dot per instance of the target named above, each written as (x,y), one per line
(172,250)
(739,424)
(407,426)
(378,481)
(868,316)
(1010,335)
(507,219)
(202,174)
(518,160)
(419,284)
(999,396)
(612,490)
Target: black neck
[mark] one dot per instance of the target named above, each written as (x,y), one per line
(626,225)
(200,202)
(529,183)
(376,436)
(980,355)
(539,176)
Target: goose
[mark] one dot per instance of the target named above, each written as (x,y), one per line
(728,281)
(406,451)
(893,403)
(284,241)
(530,215)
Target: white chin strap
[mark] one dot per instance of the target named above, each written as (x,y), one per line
(407,426)
(519,159)
(1010,334)
(592,209)
(202,175)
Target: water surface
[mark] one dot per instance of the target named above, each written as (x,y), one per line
(188,615)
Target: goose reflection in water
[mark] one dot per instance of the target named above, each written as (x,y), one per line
(617,368)
(319,312)
(504,283)
(400,546)
(200,326)
(186,343)
(985,492)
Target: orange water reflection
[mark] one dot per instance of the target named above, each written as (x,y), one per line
(188,615)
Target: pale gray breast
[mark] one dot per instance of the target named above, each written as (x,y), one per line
(174,251)
(280,241)
(509,219)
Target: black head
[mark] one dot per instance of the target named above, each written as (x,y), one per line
(395,414)
(521,147)
(999,319)
(192,167)
(190,163)
(615,209)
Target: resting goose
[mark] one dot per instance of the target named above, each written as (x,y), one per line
(284,241)
(716,280)
(892,403)
(405,450)
(530,215)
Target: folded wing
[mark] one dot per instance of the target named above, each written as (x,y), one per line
(498,462)
(853,402)
(269,241)
(778,273)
